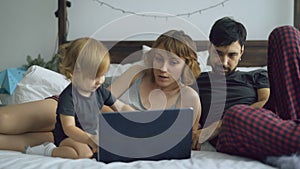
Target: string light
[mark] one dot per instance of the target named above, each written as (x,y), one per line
(200,11)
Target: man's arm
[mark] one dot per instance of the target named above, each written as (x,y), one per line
(261,81)
(262,97)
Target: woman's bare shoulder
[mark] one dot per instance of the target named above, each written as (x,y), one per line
(187,91)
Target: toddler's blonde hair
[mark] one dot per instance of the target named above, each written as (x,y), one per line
(86,55)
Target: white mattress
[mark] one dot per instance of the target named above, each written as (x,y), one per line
(199,160)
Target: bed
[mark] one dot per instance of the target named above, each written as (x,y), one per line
(123,55)
(28,90)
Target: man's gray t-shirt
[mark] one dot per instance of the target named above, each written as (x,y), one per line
(218,92)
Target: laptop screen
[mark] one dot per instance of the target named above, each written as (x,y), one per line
(145,135)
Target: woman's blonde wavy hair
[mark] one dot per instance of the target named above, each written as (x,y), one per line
(87,55)
(183,46)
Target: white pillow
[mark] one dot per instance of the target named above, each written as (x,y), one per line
(201,58)
(118,69)
(146,48)
(247,69)
(6,98)
(39,83)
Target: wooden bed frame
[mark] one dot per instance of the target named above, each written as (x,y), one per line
(255,50)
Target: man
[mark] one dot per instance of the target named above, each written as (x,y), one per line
(225,86)
(275,129)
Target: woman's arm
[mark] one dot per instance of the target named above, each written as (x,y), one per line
(210,131)
(190,98)
(119,86)
(122,83)
(120,106)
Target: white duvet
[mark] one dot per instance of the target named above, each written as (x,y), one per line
(199,160)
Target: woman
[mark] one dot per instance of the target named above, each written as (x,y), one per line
(27,124)
(170,66)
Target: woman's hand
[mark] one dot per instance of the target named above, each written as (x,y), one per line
(195,140)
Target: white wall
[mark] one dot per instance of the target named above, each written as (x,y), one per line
(30,27)
(259,16)
(26,28)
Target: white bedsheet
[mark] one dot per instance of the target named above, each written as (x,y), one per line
(199,160)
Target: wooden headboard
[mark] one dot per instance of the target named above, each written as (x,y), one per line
(255,51)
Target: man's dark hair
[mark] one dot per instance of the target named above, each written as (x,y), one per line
(225,31)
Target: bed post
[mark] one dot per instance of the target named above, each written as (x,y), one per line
(62,21)
(297,14)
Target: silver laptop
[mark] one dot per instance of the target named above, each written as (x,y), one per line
(145,135)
